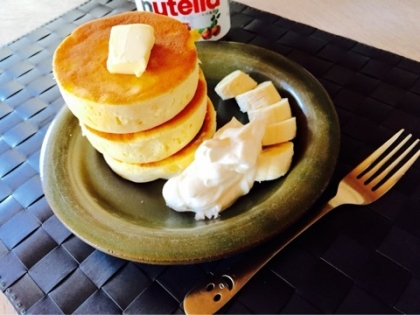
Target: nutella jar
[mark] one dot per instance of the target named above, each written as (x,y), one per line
(206,19)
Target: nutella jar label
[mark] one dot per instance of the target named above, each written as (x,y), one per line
(206,19)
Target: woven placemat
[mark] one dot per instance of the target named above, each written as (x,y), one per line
(355,260)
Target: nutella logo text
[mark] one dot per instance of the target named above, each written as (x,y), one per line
(180,7)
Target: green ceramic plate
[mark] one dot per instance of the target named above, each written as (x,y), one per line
(131,220)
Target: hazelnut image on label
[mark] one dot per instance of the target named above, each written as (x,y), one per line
(215,30)
(206,34)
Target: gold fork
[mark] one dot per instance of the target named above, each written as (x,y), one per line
(370,180)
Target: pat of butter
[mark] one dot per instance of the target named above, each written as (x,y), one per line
(130,46)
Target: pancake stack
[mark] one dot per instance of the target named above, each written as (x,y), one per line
(146,127)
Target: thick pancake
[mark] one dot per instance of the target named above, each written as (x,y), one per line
(171,166)
(120,103)
(157,143)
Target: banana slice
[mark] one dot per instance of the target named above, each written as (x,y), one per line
(265,104)
(274,161)
(263,95)
(235,83)
(280,132)
(273,113)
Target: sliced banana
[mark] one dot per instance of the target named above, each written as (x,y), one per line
(274,161)
(264,94)
(279,132)
(264,103)
(273,113)
(235,83)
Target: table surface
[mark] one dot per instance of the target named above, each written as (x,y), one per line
(386,24)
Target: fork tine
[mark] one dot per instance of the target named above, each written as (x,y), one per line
(384,160)
(381,176)
(394,178)
(372,158)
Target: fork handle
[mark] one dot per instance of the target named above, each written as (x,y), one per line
(212,294)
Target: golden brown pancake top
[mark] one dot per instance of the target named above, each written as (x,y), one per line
(79,63)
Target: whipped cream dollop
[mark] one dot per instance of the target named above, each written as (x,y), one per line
(224,169)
